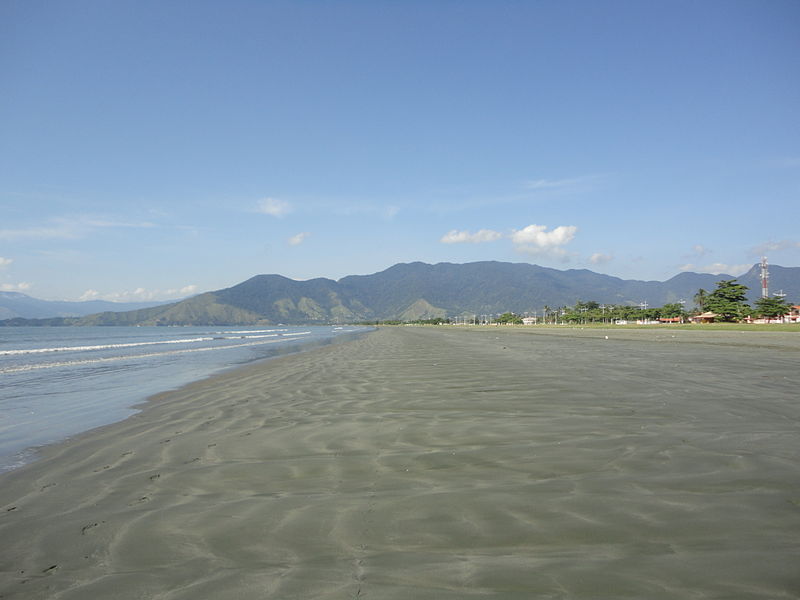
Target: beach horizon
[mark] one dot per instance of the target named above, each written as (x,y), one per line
(425,462)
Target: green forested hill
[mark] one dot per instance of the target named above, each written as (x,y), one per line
(419,290)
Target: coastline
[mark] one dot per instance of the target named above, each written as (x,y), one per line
(433,463)
(56,387)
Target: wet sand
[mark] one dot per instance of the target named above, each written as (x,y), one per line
(435,463)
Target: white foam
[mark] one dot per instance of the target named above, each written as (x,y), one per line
(255,331)
(71,363)
(101,346)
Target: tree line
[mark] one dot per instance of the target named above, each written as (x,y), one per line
(728,302)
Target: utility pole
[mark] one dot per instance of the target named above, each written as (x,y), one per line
(764,278)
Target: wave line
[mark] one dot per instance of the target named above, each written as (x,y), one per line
(101,346)
(70,363)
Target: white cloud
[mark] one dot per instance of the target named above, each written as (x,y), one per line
(774,247)
(274,207)
(536,240)
(141,294)
(550,184)
(298,239)
(571,185)
(15,287)
(99,223)
(718,268)
(188,289)
(533,239)
(66,228)
(61,231)
(700,250)
(460,237)
(4,262)
(598,258)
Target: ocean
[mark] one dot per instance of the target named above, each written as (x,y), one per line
(56,382)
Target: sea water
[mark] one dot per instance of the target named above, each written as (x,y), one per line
(56,382)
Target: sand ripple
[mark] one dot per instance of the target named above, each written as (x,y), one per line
(431,463)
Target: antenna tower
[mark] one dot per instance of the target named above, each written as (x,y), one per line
(764,278)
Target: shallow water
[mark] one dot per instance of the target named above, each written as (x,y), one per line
(59,381)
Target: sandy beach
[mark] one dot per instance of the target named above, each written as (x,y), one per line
(435,463)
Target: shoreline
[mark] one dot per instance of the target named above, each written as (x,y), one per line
(129,399)
(425,463)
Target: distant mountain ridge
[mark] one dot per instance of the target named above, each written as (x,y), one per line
(418,290)
(16,304)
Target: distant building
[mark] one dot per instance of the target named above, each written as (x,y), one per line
(793,316)
(529,320)
(706,317)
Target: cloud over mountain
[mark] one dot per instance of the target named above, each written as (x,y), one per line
(536,240)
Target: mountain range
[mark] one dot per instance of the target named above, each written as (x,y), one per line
(16,304)
(409,291)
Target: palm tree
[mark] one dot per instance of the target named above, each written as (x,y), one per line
(546,311)
(700,299)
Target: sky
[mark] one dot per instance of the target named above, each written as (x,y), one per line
(151,150)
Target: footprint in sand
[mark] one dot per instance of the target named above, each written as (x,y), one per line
(88,527)
(116,462)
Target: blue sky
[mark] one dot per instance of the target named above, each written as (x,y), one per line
(149,150)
